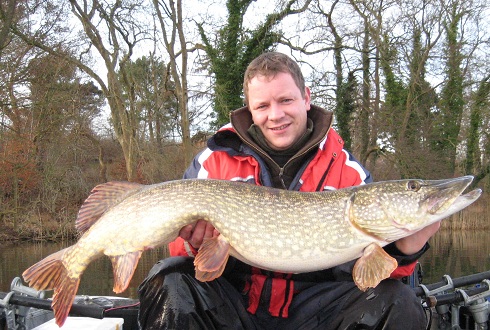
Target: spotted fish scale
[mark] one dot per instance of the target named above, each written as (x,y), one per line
(269,228)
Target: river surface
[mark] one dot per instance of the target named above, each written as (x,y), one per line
(453,253)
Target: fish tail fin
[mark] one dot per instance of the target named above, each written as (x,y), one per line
(123,268)
(63,298)
(46,274)
(50,273)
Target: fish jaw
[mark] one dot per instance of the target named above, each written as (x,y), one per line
(444,193)
(458,204)
(445,200)
(396,209)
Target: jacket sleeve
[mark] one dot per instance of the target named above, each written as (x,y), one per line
(179,247)
(406,263)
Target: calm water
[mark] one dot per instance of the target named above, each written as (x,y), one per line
(452,253)
(96,280)
(456,254)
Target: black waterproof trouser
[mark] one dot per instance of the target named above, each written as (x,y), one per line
(171,298)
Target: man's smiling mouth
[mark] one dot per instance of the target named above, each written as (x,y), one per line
(280,127)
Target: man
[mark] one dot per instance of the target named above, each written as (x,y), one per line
(281,140)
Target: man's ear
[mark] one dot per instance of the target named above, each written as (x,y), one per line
(307,98)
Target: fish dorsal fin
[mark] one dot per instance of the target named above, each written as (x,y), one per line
(374,266)
(211,258)
(101,198)
(123,268)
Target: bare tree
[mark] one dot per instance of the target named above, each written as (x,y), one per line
(115,47)
(112,31)
(175,44)
(7,17)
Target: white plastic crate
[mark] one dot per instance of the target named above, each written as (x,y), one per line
(84,323)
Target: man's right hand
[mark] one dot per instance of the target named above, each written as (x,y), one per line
(194,234)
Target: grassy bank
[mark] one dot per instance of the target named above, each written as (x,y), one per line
(474,217)
(38,227)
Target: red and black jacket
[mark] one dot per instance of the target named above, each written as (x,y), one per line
(232,155)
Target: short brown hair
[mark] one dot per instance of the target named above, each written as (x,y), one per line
(269,64)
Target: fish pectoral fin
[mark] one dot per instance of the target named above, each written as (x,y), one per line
(374,266)
(123,268)
(211,259)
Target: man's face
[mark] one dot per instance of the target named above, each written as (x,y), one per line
(278,109)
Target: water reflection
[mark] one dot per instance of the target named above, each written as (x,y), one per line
(96,280)
(454,253)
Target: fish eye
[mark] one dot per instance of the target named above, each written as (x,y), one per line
(413,185)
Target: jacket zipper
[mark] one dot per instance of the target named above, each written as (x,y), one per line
(265,155)
(281,169)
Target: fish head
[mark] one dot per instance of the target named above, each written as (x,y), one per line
(394,209)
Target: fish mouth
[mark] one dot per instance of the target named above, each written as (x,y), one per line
(432,201)
(442,209)
(446,192)
(462,201)
(445,200)
(441,206)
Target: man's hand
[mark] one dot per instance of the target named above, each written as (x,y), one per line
(195,234)
(414,243)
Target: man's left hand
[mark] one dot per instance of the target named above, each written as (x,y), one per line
(414,243)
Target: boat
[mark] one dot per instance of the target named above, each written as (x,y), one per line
(459,303)
(26,308)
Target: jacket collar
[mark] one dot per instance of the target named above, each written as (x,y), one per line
(241,120)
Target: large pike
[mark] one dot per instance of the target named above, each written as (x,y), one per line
(273,229)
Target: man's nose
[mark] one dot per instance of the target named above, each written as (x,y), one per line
(275,111)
